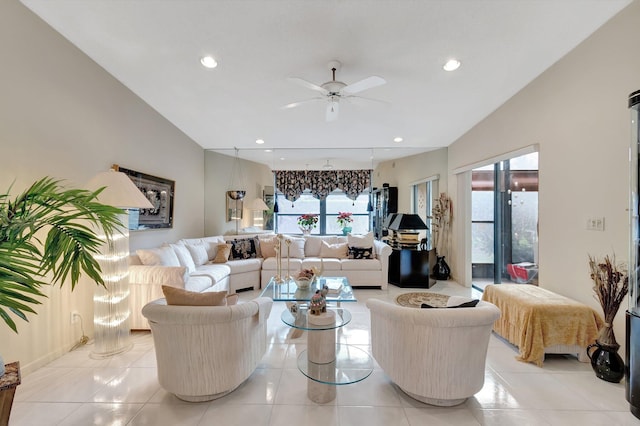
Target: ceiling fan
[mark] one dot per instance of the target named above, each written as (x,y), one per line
(333,91)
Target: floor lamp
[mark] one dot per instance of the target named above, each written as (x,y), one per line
(258,205)
(111,303)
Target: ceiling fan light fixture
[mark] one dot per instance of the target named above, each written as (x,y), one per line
(208,62)
(451,65)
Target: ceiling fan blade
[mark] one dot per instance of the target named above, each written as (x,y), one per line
(297,104)
(362,100)
(309,85)
(365,84)
(332,111)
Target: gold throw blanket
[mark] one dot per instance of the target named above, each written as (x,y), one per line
(534,318)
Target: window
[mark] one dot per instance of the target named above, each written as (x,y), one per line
(327,211)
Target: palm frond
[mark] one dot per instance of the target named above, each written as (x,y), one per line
(71,219)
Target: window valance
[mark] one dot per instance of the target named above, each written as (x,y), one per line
(292,183)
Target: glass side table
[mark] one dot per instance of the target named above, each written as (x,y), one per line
(325,363)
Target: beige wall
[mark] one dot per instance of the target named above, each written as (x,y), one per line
(62,115)
(402,172)
(218,169)
(577,113)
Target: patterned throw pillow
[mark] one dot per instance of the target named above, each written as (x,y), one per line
(360,253)
(244,248)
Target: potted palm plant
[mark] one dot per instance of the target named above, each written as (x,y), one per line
(48,234)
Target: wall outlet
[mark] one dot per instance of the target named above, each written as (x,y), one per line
(595,224)
(75,317)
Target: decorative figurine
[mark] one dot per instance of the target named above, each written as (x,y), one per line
(324,291)
(318,304)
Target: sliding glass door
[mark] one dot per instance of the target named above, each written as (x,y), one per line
(504,217)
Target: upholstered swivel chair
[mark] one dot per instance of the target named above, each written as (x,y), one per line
(205,352)
(436,356)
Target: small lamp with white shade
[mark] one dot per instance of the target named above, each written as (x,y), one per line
(258,206)
(111,302)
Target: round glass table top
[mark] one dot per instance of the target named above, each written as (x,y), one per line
(299,319)
(351,365)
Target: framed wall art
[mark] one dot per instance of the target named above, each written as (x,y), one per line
(160,192)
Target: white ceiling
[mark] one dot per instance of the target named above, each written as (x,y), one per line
(154,47)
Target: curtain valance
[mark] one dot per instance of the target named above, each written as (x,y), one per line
(292,183)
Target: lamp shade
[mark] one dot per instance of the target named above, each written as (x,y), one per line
(389,220)
(258,204)
(119,190)
(407,222)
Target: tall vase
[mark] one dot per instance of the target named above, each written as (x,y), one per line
(306,230)
(606,362)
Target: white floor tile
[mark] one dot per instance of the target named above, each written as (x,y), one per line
(102,414)
(78,390)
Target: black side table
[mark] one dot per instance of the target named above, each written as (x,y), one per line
(410,268)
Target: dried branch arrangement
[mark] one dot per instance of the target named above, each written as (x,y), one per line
(610,285)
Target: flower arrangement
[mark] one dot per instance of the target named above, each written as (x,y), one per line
(610,285)
(308,221)
(344,219)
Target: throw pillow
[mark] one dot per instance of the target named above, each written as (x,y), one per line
(470,304)
(338,251)
(232,299)
(268,246)
(184,257)
(163,256)
(222,254)
(198,254)
(360,253)
(365,240)
(295,249)
(244,248)
(180,297)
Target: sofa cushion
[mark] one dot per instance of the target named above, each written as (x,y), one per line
(164,256)
(198,253)
(222,254)
(364,240)
(244,248)
(312,245)
(338,251)
(198,283)
(295,249)
(244,265)
(329,264)
(216,271)
(361,265)
(184,257)
(268,246)
(270,264)
(209,243)
(180,297)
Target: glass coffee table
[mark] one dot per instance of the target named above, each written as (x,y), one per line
(325,363)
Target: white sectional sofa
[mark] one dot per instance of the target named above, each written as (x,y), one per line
(188,264)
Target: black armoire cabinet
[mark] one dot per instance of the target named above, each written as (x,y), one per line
(632,338)
(385,202)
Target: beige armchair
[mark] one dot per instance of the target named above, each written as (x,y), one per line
(436,356)
(205,352)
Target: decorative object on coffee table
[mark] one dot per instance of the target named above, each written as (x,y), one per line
(611,284)
(317,304)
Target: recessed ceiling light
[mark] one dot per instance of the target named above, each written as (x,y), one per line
(259,141)
(282,158)
(208,62)
(451,65)
(268,150)
(398,139)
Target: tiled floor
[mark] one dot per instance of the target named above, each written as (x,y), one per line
(123,390)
